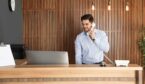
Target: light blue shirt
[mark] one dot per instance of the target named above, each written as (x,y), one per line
(88,51)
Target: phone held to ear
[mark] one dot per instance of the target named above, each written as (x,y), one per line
(91,30)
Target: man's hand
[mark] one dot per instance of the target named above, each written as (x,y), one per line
(92,34)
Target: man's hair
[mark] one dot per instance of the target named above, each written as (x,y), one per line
(87,17)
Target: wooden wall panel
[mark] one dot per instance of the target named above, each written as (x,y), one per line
(54,24)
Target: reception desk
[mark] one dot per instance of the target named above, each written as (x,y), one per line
(70,74)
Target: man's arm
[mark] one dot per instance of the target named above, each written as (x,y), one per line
(78,53)
(102,43)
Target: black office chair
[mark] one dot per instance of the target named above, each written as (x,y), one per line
(18,51)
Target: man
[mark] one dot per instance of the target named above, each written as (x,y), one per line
(91,44)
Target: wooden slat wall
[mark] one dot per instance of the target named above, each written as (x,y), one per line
(54,24)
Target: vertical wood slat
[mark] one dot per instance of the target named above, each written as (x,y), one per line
(54,24)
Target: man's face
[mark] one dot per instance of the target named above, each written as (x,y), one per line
(86,25)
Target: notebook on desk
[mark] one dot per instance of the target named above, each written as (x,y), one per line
(47,57)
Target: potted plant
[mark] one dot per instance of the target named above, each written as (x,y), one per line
(141,44)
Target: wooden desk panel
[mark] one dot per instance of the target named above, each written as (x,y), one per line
(80,74)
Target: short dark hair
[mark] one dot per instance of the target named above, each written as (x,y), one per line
(87,17)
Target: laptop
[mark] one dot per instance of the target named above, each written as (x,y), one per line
(47,57)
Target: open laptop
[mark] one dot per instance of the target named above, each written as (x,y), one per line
(47,57)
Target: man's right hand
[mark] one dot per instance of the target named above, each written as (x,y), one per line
(91,34)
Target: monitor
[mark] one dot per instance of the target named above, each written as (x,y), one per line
(47,57)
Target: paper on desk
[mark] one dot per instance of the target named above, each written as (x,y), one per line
(6,56)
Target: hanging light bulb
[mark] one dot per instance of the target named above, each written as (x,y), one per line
(109,5)
(127,7)
(93,6)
